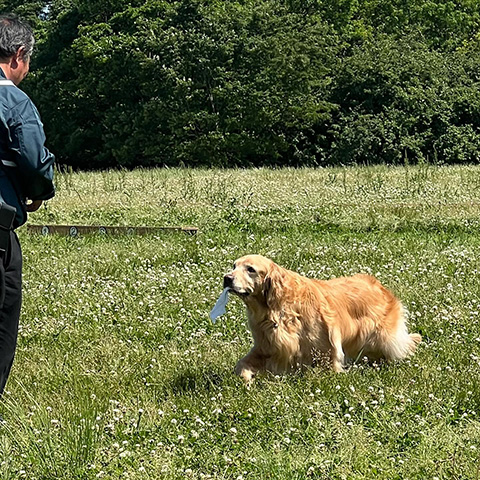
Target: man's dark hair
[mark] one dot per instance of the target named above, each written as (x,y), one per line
(15,33)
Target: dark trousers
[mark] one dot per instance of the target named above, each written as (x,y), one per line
(11,294)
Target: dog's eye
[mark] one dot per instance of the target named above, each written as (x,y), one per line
(250,269)
(234,266)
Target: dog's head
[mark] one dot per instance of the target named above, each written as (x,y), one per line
(254,278)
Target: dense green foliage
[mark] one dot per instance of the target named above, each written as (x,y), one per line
(257,82)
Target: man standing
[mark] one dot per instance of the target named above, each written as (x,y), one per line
(26,175)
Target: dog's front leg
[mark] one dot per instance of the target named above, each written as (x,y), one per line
(249,365)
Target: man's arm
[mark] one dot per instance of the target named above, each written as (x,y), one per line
(34,162)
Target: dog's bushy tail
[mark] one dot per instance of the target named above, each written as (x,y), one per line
(401,344)
(415,339)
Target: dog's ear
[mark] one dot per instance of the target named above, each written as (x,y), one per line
(273,286)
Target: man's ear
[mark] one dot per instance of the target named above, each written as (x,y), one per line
(20,54)
(273,286)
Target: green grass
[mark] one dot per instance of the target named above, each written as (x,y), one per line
(120,373)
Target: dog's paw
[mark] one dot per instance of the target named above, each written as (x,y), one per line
(246,375)
(338,367)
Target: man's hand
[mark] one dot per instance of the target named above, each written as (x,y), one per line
(33,205)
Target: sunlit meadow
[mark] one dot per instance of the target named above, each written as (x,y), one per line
(120,374)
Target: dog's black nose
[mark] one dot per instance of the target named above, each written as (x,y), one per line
(228,281)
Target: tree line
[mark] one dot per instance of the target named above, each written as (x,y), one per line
(127,83)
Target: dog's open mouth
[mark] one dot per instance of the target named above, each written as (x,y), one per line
(241,291)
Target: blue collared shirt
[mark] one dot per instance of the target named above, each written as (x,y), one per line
(26,169)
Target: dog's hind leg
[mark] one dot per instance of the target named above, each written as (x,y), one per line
(337,354)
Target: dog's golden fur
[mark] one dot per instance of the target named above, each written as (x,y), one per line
(293,318)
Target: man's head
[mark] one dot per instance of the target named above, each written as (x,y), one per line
(16,47)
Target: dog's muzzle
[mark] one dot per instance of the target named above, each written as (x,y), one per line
(228,283)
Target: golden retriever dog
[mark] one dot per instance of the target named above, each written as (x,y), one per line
(294,319)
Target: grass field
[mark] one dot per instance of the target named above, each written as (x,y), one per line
(120,374)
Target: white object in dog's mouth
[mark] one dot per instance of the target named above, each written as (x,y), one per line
(219,308)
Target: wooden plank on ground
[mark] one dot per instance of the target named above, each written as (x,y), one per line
(76,230)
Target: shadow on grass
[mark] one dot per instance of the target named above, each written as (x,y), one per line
(194,381)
